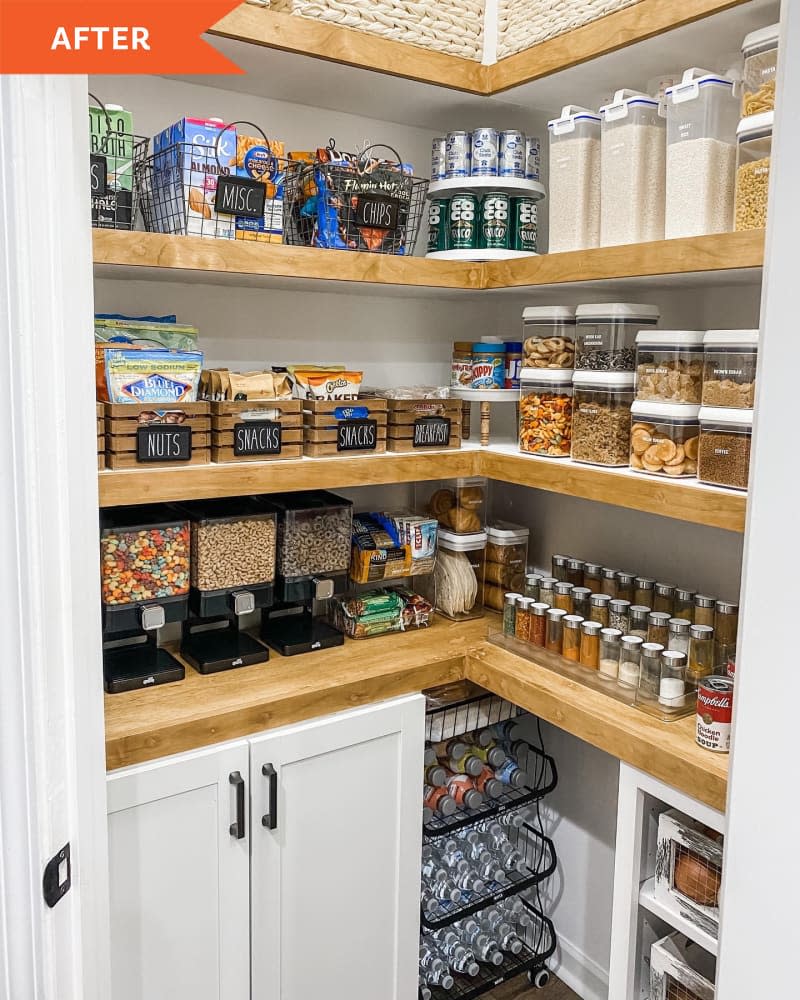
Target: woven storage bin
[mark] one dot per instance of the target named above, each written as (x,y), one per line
(523,23)
(452,26)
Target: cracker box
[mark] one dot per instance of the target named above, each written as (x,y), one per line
(263,162)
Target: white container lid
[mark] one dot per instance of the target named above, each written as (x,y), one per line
(605,380)
(665,411)
(693,79)
(726,415)
(623,101)
(563,313)
(731,338)
(618,310)
(763,38)
(669,338)
(570,114)
(557,375)
(505,533)
(755,124)
(462,543)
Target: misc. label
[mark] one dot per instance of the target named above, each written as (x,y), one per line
(98,175)
(431,432)
(163,443)
(376,212)
(240,196)
(257,437)
(357,435)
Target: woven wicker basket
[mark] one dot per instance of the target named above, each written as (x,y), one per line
(452,26)
(523,23)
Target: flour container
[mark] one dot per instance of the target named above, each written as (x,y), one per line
(632,170)
(702,113)
(574,180)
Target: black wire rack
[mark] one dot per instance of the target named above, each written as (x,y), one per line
(465,715)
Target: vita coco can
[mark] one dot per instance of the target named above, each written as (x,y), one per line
(485,151)
(462,222)
(523,224)
(495,231)
(511,154)
(437,225)
(533,157)
(438,159)
(715,713)
(457,154)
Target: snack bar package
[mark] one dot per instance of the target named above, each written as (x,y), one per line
(153,376)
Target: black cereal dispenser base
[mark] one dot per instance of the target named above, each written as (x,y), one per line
(295,630)
(214,644)
(133,660)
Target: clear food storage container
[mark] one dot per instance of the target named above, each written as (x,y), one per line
(702,112)
(664,438)
(632,170)
(606,334)
(506,561)
(314,534)
(458,578)
(458,504)
(601,419)
(724,452)
(545,412)
(548,337)
(574,181)
(233,545)
(729,369)
(760,52)
(753,156)
(669,365)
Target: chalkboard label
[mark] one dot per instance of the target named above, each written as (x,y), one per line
(240,196)
(357,435)
(431,432)
(376,212)
(98,175)
(163,443)
(257,437)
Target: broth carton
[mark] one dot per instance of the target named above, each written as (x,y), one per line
(262,161)
(111,136)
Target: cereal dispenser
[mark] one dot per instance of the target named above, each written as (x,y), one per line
(144,574)
(313,557)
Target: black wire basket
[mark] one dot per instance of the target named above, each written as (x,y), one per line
(115,158)
(353,203)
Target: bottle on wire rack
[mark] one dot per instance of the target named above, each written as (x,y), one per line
(451,853)
(462,790)
(459,957)
(484,948)
(500,847)
(470,883)
(494,924)
(438,801)
(515,912)
(440,886)
(482,737)
(424,990)
(511,774)
(433,969)
(488,785)
(436,775)
(511,820)
(490,753)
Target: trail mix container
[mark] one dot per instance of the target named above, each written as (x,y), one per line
(606,334)
(669,365)
(724,450)
(459,575)
(729,368)
(545,412)
(548,337)
(754,136)
(664,439)
(760,52)
(601,420)
(574,181)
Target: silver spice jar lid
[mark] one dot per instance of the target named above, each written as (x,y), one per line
(673,658)
(727,608)
(548,582)
(511,598)
(609,573)
(701,632)
(644,583)
(533,579)
(576,564)
(626,579)
(684,596)
(652,649)
(581,593)
(591,628)
(562,587)
(556,614)
(619,606)
(665,589)
(572,621)
(704,601)
(540,609)
(560,560)
(525,603)
(610,634)
(658,618)
(601,600)
(631,642)
(592,569)
(639,610)
(679,626)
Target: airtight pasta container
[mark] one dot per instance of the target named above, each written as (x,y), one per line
(458,579)
(632,170)
(574,181)
(753,157)
(760,52)
(664,438)
(548,337)
(669,365)
(729,369)
(601,418)
(724,451)
(545,412)
(606,334)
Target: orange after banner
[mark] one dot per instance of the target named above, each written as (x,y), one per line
(116,36)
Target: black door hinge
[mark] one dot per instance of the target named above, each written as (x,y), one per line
(57,878)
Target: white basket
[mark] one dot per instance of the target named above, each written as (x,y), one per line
(451,26)
(681,970)
(523,23)
(684,841)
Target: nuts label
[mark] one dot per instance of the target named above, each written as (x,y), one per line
(163,443)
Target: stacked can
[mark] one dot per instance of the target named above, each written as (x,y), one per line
(511,156)
(523,224)
(485,152)
(495,230)
(438,225)
(458,154)
(462,222)
(438,159)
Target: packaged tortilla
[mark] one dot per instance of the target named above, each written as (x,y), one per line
(153,376)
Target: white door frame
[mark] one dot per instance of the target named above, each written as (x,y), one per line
(52,759)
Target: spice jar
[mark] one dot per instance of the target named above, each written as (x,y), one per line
(510,614)
(679,635)
(726,623)
(592,577)
(522,626)
(559,567)
(760,53)
(563,598)
(724,452)
(664,598)
(629,661)
(574,180)
(598,609)
(650,671)
(539,623)
(590,645)
(571,637)
(619,615)
(609,582)
(626,586)
(704,608)
(638,614)
(606,334)
(575,572)
(547,593)
(601,417)
(701,654)
(532,581)
(580,601)
(548,334)
(644,591)
(683,606)
(753,155)
(658,627)
(461,367)
(545,412)
(729,368)
(609,652)
(672,684)
(555,629)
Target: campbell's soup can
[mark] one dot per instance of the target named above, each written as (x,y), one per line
(457,154)
(511,154)
(715,713)
(533,157)
(438,158)
(485,152)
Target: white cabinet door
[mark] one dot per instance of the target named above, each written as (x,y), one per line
(180,876)
(335,883)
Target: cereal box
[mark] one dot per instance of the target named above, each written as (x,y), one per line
(264,162)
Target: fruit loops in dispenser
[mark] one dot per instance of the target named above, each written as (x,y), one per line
(140,564)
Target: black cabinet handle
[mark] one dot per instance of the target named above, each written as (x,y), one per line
(237,829)
(270,818)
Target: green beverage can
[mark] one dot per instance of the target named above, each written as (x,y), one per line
(495,232)
(523,224)
(437,225)
(462,222)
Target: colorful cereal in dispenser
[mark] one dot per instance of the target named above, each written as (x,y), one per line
(144,562)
